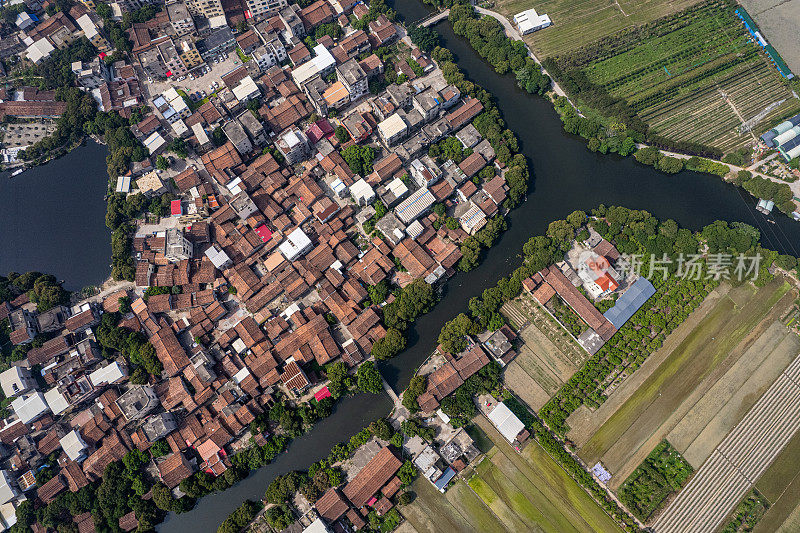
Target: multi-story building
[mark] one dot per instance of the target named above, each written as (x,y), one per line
(293,24)
(254,128)
(180,19)
(177,247)
(236,134)
(294,145)
(271,52)
(265,8)
(189,53)
(91,75)
(206,8)
(90,31)
(353,78)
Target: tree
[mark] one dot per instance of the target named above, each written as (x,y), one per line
(342,134)
(390,345)
(648,155)
(162,497)
(340,379)
(381,429)
(162,163)
(453,335)
(670,165)
(368,379)
(359,158)
(425,37)
(414,389)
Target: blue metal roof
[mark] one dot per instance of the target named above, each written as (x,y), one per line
(445,479)
(630,302)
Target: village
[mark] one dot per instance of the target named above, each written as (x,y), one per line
(303,193)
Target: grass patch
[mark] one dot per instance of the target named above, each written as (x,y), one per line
(662,473)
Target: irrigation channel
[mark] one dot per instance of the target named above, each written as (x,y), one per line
(566,177)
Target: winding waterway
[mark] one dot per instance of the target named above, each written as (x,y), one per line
(52,219)
(566,177)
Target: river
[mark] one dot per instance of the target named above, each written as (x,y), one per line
(567,176)
(52,219)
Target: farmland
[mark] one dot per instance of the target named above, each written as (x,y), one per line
(508,491)
(780,484)
(547,357)
(744,455)
(691,76)
(578,22)
(663,472)
(640,423)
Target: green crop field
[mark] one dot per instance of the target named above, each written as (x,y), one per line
(691,76)
(579,22)
(536,489)
(734,316)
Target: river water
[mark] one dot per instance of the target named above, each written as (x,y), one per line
(52,219)
(566,177)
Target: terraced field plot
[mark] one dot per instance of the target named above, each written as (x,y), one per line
(685,375)
(579,22)
(539,370)
(693,76)
(537,489)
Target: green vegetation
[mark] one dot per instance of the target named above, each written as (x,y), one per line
(425,37)
(487,36)
(747,513)
(662,473)
(673,301)
(663,80)
(368,379)
(242,516)
(568,318)
(133,345)
(415,388)
(359,158)
(376,9)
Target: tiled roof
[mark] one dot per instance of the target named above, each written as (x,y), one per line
(372,477)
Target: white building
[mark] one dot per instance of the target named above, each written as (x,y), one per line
(362,192)
(74,446)
(393,129)
(111,373)
(16,380)
(265,8)
(321,64)
(57,402)
(294,145)
(506,422)
(529,21)
(425,171)
(246,90)
(218,257)
(414,206)
(39,50)
(296,245)
(29,407)
(7,490)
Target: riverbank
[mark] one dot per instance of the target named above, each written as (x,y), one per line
(558,94)
(566,177)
